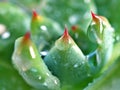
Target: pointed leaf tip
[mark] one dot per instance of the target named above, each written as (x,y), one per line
(34,14)
(94,17)
(66,31)
(66,34)
(26,37)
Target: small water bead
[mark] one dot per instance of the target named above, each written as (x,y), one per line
(73,19)
(34,70)
(76,35)
(47,74)
(117,38)
(56,82)
(5,35)
(76,65)
(82,63)
(43,27)
(39,77)
(45,84)
(44,53)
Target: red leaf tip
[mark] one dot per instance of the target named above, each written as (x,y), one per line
(94,17)
(66,34)
(34,14)
(26,37)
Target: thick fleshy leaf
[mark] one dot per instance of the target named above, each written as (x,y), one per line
(82,40)
(110,79)
(101,33)
(68,63)
(44,31)
(31,67)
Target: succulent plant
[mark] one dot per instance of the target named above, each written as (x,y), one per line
(101,32)
(46,56)
(31,67)
(41,27)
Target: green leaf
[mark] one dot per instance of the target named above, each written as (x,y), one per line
(68,63)
(31,67)
(101,32)
(44,31)
(82,40)
(110,80)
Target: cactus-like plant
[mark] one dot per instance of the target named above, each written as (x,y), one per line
(83,56)
(28,62)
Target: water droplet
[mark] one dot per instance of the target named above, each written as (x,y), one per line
(45,84)
(5,35)
(44,53)
(76,35)
(47,74)
(117,38)
(76,65)
(73,19)
(82,62)
(56,82)
(34,70)
(39,77)
(43,27)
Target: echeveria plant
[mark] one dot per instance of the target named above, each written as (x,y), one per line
(62,46)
